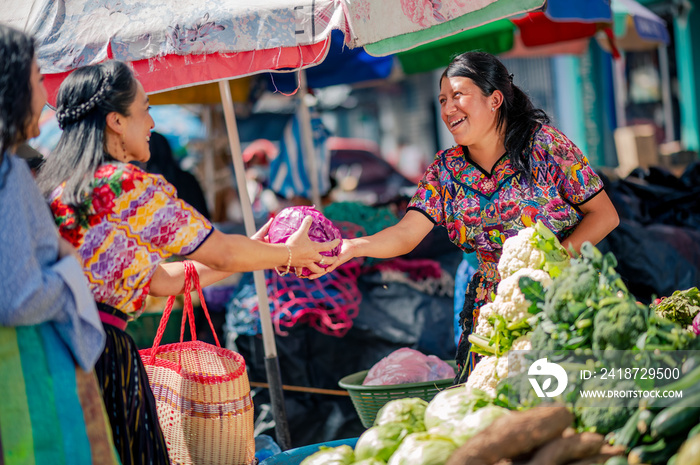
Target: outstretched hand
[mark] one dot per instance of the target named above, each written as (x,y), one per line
(344,256)
(307,253)
(261,234)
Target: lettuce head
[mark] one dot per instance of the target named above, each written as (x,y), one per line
(341,455)
(423,449)
(410,412)
(380,441)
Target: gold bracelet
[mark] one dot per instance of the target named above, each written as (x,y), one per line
(289,261)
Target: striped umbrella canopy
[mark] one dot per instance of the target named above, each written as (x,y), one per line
(559,22)
(636,27)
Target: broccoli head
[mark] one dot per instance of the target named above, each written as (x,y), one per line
(576,284)
(603,415)
(618,325)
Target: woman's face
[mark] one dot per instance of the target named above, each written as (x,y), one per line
(465,110)
(39,95)
(138,126)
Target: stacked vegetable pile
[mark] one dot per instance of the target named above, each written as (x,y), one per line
(682,307)
(463,426)
(548,302)
(413,431)
(535,255)
(656,430)
(587,309)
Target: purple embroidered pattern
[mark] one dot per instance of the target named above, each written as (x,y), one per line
(134,221)
(481,210)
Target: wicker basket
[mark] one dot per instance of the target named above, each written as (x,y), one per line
(369,399)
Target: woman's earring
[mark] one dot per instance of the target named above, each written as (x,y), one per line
(493,109)
(124,148)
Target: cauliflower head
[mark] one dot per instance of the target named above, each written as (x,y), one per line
(510,301)
(519,252)
(484,375)
(487,373)
(483,326)
(516,361)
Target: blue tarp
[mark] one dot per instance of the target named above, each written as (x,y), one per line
(583,11)
(343,65)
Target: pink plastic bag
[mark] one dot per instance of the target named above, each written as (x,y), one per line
(407,366)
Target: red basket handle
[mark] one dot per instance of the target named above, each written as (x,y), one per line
(191,276)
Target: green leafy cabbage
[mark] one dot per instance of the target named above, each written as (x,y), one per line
(423,449)
(409,412)
(341,455)
(380,441)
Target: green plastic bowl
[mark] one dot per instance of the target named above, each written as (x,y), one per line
(369,399)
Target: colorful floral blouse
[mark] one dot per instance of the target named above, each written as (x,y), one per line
(481,210)
(134,221)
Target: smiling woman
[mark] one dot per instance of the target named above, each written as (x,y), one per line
(508,170)
(50,333)
(124,223)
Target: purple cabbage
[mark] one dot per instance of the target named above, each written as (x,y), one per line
(289,220)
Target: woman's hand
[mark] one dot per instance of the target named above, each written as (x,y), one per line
(346,254)
(599,218)
(307,253)
(261,234)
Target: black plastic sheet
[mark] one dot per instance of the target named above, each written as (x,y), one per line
(392,315)
(657,244)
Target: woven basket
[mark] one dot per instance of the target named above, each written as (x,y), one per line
(369,399)
(202,395)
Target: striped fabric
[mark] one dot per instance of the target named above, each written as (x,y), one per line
(289,176)
(52,411)
(132,409)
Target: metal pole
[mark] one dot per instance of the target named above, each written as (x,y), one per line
(620,91)
(272,367)
(307,141)
(666,93)
(209,174)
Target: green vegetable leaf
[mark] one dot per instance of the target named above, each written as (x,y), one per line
(533,291)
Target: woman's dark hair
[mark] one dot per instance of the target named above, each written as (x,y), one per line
(517,113)
(16,57)
(85,98)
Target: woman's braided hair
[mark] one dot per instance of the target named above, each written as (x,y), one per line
(84,100)
(67,115)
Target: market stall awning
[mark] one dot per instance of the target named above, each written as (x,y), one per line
(457,18)
(563,20)
(636,27)
(174,45)
(342,65)
(496,37)
(559,28)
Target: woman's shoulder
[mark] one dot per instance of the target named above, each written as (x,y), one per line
(128,176)
(548,140)
(444,156)
(115,171)
(545,133)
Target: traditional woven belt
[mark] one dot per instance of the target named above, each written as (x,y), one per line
(111,316)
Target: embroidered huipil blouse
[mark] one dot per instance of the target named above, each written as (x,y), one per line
(134,221)
(481,210)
